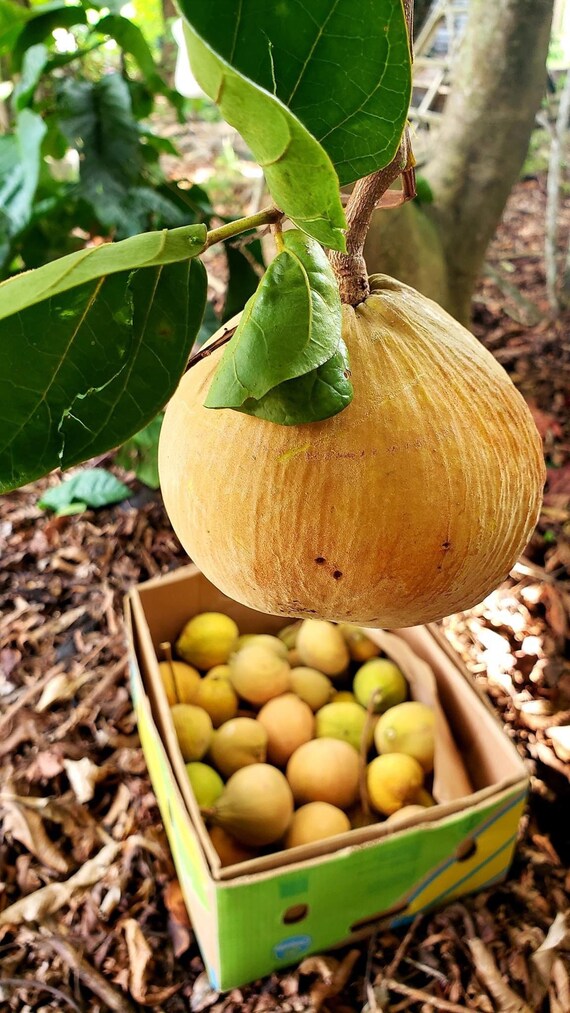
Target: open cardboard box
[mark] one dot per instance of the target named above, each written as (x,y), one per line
(263,914)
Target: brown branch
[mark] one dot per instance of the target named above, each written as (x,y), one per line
(205,352)
(350,267)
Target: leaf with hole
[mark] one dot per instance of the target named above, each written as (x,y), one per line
(290,326)
(87,366)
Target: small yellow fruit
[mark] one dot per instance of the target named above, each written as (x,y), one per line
(193,730)
(343,720)
(206,783)
(311,686)
(258,674)
(294,658)
(393,781)
(256,805)
(243,639)
(217,695)
(383,678)
(407,810)
(324,770)
(273,643)
(230,851)
(289,634)
(237,743)
(321,646)
(180,681)
(360,647)
(425,799)
(344,696)
(207,640)
(289,722)
(315,822)
(408,728)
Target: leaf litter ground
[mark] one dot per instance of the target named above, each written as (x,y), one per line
(99,923)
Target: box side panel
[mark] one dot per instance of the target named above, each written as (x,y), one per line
(274,920)
(193,873)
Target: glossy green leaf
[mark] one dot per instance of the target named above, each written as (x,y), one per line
(291,325)
(12,19)
(243,278)
(87,367)
(342,69)
(318,395)
(20,163)
(33,66)
(298,171)
(94,487)
(151,249)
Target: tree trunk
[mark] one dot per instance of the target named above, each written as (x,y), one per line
(480,147)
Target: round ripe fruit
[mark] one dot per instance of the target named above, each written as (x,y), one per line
(207,640)
(273,643)
(344,696)
(393,781)
(255,806)
(206,783)
(360,647)
(383,678)
(289,723)
(407,810)
(321,646)
(180,681)
(243,639)
(236,744)
(324,770)
(217,695)
(453,434)
(408,728)
(311,686)
(289,634)
(230,851)
(294,658)
(193,730)
(345,720)
(258,674)
(314,822)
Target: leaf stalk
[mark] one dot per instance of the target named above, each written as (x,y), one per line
(267,216)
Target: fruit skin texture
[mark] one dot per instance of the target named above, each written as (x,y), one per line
(206,783)
(408,728)
(236,744)
(314,822)
(383,676)
(437,452)
(311,686)
(321,646)
(180,681)
(343,720)
(230,851)
(258,674)
(207,640)
(393,781)
(193,729)
(256,805)
(217,696)
(360,647)
(324,770)
(289,723)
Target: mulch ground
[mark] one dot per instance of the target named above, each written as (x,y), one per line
(99,923)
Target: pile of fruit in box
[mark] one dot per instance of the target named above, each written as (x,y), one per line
(294,738)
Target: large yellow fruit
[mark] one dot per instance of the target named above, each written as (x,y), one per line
(412,503)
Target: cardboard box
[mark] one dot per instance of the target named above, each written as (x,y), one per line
(257,916)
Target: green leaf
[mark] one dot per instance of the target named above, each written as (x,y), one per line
(318,395)
(291,325)
(140,454)
(20,162)
(88,265)
(84,369)
(343,71)
(298,171)
(33,66)
(94,487)
(42,22)
(12,18)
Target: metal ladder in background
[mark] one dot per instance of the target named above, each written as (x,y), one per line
(434,52)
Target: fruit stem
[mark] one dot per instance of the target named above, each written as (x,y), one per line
(350,267)
(267,216)
(205,352)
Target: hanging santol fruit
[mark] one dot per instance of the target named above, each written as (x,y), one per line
(411,503)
